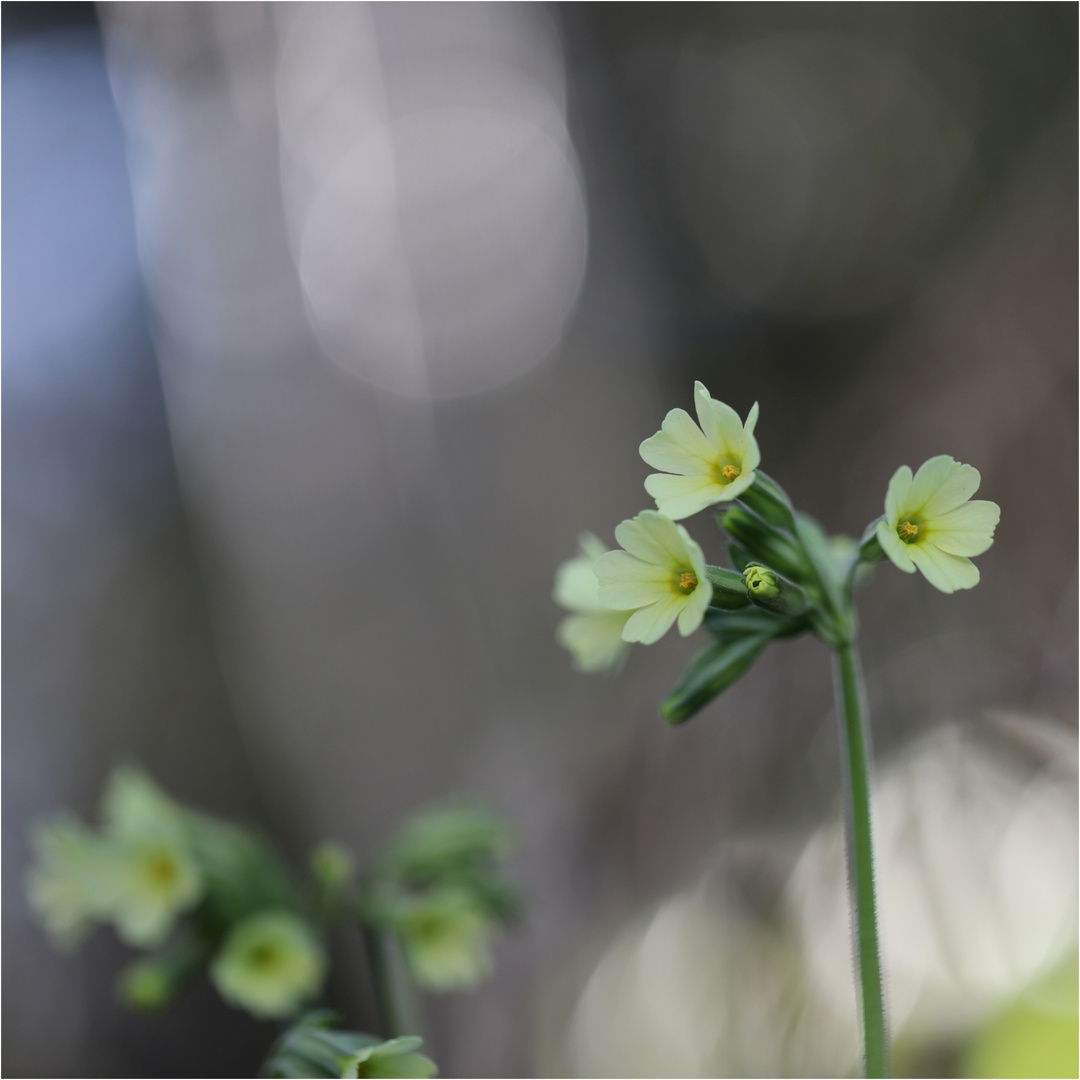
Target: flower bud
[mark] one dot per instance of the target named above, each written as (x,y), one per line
(769,590)
(761,583)
(332,864)
(146,986)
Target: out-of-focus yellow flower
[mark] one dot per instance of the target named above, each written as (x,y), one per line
(269,965)
(155,879)
(395,1058)
(932,525)
(70,884)
(446,938)
(155,876)
(660,574)
(592,634)
(712,463)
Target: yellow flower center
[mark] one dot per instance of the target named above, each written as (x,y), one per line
(907,532)
(264,957)
(688,581)
(729,473)
(163,872)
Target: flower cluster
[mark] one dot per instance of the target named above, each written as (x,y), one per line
(203,894)
(198,891)
(439,892)
(788,576)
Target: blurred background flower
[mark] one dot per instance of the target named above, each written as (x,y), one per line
(977,861)
(329,328)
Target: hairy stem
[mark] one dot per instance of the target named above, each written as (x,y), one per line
(855,747)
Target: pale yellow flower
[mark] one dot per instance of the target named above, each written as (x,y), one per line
(592,633)
(69,884)
(155,876)
(270,964)
(712,463)
(660,574)
(931,524)
(446,938)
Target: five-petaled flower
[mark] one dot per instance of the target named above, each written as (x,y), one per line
(269,964)
(713,463)
(592,633)
(660,574)
(932,525)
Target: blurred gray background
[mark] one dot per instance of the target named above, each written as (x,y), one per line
(328,327)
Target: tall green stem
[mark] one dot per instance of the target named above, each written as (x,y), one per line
(396,1002)
(855,746)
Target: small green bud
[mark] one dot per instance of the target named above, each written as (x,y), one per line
(146,986)
(761,583)
(774,593)
(332,864)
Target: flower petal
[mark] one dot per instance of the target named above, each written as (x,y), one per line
(649,624)
(751,419)
(967,530)
(896,498)
(941,485)
(679,446)
(945,572)
(627,582)
(576,585)
(720,422)
(893,546)
(680,496)
(693,611)
(655,538)
(594,641)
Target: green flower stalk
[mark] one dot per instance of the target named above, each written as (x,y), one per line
(789,577)
(269,964)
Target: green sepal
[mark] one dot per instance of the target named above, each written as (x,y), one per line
(738,555)
(243,875)
(766,498)
(731,625)
(710,673)
(151,983)
(446,840)
(870,549)
(729,591)
(766,543)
